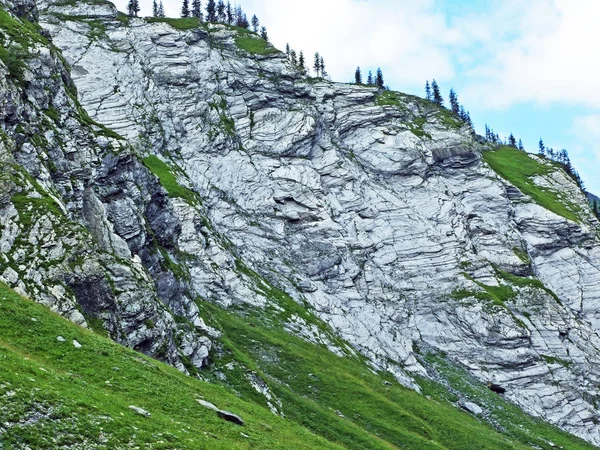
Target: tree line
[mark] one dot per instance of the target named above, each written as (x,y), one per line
(221,12)
(299,61)
(434,94)
(371,81)
(215,12)
(561,157)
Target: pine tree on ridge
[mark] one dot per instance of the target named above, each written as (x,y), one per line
(357,76)
(185,9)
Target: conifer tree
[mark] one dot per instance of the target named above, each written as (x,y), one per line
(154,8)
(324,73)
(453,98)
(133,8)
(240,18)
(520,145)
(287,50)
(293,57)
(512,141)
(185,8)
(379,79)
(357,76)
(161,9)
(197,9)
(221,15)
(437,96)
(462,113)
(370,79)
(468,119)
(301,61)
(229,14)
(542,148)
(211,11)
(428,91)
(263,33)
(255,23)
(317,64)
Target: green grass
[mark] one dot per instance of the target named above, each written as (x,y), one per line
(389,98)
(73,396)
(182,24)
(16,38)
(519,169)
(399,100)
(532,432)
(252,43)
(313,384)
(20,31)
(168,180)
(79,396)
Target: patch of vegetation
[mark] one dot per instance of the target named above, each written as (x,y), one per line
(175,268)
(29,207)
(252,43)
(52,113)
(498,295)
(13,59)
(389,98)
(522,255)
(342,400)
(16,38)
(168,180)
(519,169)
(123,18)
(417,127)
(20,31)
(80,397)
(525,282)
(182,24)
(522,429)
(462,294)
(449,119)
(555,360)
(395,99)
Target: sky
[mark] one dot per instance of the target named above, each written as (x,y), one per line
(530,67)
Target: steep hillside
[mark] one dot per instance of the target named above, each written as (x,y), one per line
(65,387)
(183,189)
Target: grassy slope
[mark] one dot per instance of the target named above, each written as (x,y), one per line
(313,384)
(519,169)
(245,39)
(55,394)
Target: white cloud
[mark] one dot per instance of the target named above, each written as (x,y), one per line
(551,57)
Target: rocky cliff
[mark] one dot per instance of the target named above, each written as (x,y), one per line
(152,165)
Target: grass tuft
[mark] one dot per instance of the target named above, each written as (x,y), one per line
(519,169)
(169,181)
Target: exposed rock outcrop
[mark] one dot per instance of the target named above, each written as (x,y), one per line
(375,209)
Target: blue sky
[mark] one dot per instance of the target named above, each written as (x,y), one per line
(530,67)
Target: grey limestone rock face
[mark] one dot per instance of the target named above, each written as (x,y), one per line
(380,215)
(80,214)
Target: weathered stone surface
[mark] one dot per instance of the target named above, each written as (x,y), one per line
(140,411)
(78,209)
(471,407)
(230,417)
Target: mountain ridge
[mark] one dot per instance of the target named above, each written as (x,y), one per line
(248,185)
